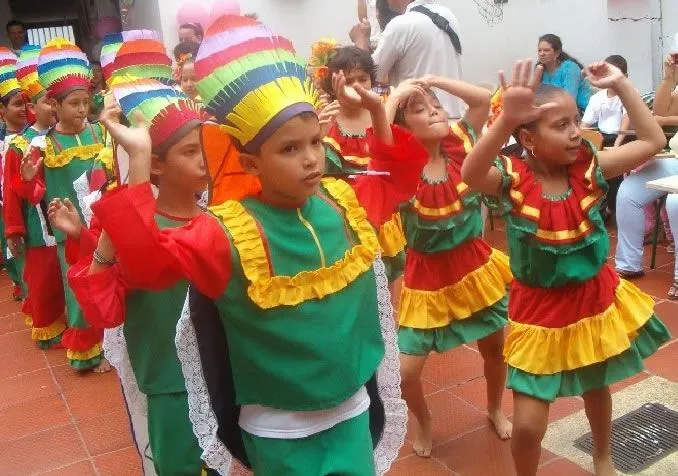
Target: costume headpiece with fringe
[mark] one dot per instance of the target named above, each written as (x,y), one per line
(9,85)
(167,111)
(27,72)
(143,57)
(251,79)
(63,68)
(322,53)
(113,42)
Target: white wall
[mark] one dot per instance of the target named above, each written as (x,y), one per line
(584,25)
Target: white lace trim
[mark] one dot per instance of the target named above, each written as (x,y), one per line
(115,350)
(216,455)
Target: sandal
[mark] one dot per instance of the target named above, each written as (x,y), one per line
(630,274)
(673,291)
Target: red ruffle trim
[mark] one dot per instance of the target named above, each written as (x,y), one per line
(81,340)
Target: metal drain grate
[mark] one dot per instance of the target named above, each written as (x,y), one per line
(640,437)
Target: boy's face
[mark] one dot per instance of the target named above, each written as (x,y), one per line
(290,163)
(73,109)
(188,35)
(183,165)
(14,112)
(44,112)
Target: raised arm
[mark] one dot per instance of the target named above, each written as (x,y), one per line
(477,98)
(650,137)
(519,108)
(665,99)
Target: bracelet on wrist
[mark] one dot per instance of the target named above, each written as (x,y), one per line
(99,259)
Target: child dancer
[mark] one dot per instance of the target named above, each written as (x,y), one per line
(27,229)
(575,327)
(108,298)
(13,110)
(70,151)
(286,276)
(185,54)
(454,289)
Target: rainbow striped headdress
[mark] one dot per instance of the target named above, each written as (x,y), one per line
(168,112)
(251,80)
(143,58)
(27,72)
(9,85)
(113,42)
(63,68)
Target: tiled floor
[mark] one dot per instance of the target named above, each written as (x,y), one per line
(56,422)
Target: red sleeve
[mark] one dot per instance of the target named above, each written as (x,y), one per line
(381,196)
(85,245)
(155,259)
(11,211)
(101,295)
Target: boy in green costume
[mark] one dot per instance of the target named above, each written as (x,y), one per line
(291,309)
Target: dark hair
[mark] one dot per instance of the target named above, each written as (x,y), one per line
(12,23)
(557,44)
(399,118)
(544,94)
(619,61)
(95,63)
(188,47)
(6,99)
(346,59)
(385,14)
(197,29)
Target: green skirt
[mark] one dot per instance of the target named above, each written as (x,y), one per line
(457,333)
(592,377)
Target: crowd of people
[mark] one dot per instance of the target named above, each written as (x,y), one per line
(283,327)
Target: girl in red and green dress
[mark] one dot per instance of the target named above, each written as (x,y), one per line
(575,326)
(454,289)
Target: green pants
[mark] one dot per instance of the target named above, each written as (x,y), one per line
(174,446)
(74,315)
(14,265)
(344,450)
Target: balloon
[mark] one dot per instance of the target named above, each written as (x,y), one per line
(192,13)
(106,25)
(224,7)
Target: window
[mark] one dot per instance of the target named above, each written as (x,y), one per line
(41,34)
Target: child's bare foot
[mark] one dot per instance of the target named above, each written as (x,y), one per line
(103,367)
(501,424)
(604,466)
(423,443)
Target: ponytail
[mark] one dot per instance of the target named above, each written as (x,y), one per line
(557,44)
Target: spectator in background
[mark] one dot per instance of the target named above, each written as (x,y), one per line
(384,14)
(367,12)
(191,32)
(412,46)
(184,73)
(16,31)
(562,70)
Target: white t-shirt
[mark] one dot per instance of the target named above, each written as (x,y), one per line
(411,46)
(605,111)
(374,22)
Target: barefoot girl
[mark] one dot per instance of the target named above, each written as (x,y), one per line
(454,288)
(575,327)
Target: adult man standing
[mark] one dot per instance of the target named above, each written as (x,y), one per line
(423,40)
(16,31)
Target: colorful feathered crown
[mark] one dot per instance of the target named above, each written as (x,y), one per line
(167,111)
(113,42)
(9,85)
(27,72)
(143,58)
(251,79)
(322,53)
(63,68)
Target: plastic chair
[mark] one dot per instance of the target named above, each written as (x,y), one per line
(595,137)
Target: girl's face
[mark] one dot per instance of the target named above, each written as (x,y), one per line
(358,76)
(188,80)
(556,138)
(547,54)
(14,112)
(426,118)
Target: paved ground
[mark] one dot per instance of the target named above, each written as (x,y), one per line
(55,422)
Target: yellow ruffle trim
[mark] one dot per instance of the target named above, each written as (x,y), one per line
(392,237)
(28,320)
(20,143)
(268,291)
(86,355)
(50,332)
(106,158)
(83,152)
(478,290)
(547,351)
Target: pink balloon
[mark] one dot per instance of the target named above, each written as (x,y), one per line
(192,13)
(224,7)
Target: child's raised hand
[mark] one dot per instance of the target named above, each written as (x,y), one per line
(135,140)
(603,75)
(519,97)
(327,116)
(64,217)
(409,89)
(28,168)
(671,68)
(355,96)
